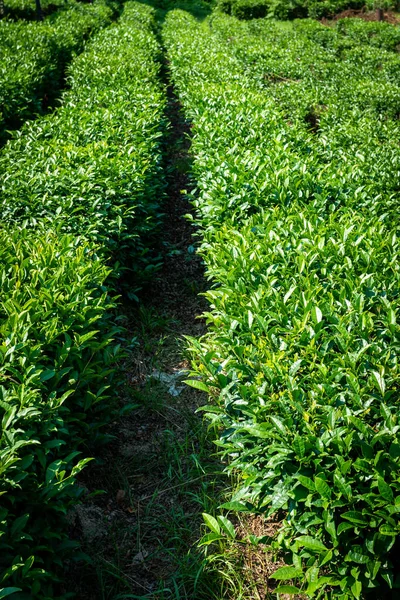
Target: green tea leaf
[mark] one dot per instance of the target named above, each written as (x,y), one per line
(316,314)
(306,482)
(385,490)
(286,573)
(322,487)
(355,517)
(357,555)
(227,526)
(198,385)
(212,523)
(236,506)
(299,446)
(388,530)
(311,543)
(287,589)
(356,588)
(380,381)
(8,591)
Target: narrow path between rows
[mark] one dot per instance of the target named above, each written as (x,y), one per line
(159,474)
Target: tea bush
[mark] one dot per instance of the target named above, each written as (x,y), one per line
(26,9)
(95,167)
(348,33)
(57,363)
(297,167)
(375,33)
(292,9)
(329,8)
(33,57)
(257,9)
(74,197)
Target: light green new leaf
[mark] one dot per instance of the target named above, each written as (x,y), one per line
(311,543)
(385,490)
(286,573)
(198,385)
(227,526)
(287,589)
(211,523)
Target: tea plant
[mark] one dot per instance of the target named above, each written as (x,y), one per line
(293,9)
(296,171)
(95,166)
(257,9)
(33,58)
(57,363)
(26,9)
(348,33)
(74,199)
(378,34)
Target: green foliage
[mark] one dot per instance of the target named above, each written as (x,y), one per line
(296,167)
(57,363)
(198,8)
(374,33)
(328,8)
(94,165)
(257,9)
(26,9)
(74,199)
(351,33)
(33,57)
(383,4)
(293,9)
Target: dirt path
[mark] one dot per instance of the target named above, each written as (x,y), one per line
(159,474)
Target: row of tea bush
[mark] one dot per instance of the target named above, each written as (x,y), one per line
(297,9)
(351,32)
(80,194)
(296,162)
(33,58)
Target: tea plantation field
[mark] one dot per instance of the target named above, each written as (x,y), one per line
(34,56)
(294,132)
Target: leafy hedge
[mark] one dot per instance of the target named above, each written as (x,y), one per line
(297,169)
(26,9)
(33,57)
(73,199)
(258,9)
(57,363)
(293,9)
(93,167)
(374,33)
(351,33)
